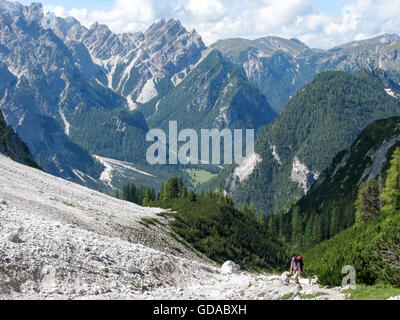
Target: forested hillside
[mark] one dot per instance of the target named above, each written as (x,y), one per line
(211,224)
(329,207)
(372,245)
(322,119)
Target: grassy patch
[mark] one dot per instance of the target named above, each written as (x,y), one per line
(376,292)
(69,204)
(288,297)
(148,222)
(200,176)
(313,296)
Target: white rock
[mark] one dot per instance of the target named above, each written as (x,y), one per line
(230,267)
(133,269)
(305,282)
(394,298)
(285,278)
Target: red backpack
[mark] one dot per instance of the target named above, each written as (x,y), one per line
(300,259)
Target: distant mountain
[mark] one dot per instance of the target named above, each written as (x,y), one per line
(238,50)
(13,147)
(42,84)
(322,119)
(282,70)
(141,67)
(71,92)
(215,94)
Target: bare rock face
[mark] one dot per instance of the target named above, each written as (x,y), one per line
(230,267)
(303,175)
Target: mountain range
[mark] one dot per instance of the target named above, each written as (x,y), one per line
(76,95)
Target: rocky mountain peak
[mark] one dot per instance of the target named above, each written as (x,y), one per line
(167,29)
(31,13)
(383,39)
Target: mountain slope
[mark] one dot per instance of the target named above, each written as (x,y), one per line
(329,205)
(42,85)
(214,95)
(62,241)
(12,146)
(371,243)
(322,119)
(50,96)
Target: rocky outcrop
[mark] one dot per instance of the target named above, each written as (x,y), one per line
(303,175)
(230,267)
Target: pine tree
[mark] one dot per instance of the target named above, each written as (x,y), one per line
(368,202)
(192,196)
(220,187)
(147,197)
(316,232)
(172,189)
(391,192)
(261,219)
(297,227)
(309,229)
(334,223)
(272,227)
(184,192)
(153,195)
(125,192)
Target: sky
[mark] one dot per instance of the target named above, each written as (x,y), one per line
(318,23)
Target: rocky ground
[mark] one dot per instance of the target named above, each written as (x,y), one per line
(59,240)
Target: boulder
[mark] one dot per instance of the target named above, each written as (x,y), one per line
(285,278)
(305,282)
(230,267)
(395,298)
(133,269)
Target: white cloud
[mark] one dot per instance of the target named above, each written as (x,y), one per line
(207,10)
(216,19)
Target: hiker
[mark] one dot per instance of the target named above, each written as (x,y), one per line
(296,268)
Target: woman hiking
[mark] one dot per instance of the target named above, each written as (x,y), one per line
(296,268)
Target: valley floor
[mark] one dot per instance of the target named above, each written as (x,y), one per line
(59,240)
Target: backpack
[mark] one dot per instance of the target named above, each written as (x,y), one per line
(300,259)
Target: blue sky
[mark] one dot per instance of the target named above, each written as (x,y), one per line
(329,6)
(319,23)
